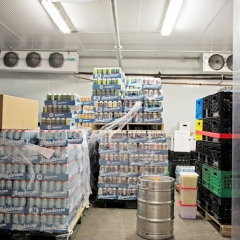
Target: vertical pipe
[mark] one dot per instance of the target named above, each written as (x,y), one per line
(115,20)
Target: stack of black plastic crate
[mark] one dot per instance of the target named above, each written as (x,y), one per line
(177,159)
(214,155)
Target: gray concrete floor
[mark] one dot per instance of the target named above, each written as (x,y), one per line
(120,224)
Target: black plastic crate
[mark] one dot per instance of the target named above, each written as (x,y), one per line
(181,158)
(221,104)
(206,146)
(170,155)
(206,200)
(221,125)
(193,158)
(199,146)
(199,192)
(206,102)
(221,155)
(172,169)
(206,124)
(198,169)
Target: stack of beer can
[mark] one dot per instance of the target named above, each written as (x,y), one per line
(42,189)
(108,84)
(125,155)
(60,111)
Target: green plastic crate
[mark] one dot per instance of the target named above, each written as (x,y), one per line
(206,180)
(205,169)
(222,183)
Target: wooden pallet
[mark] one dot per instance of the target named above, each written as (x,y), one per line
(225,230)
(28,235)
(107,203)
(134,126)
(177,187)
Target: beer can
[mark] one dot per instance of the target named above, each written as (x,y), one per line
(65,203)
(2,202)
(15,168)
(15,202)
(58,185)
(21,218)
(124,191)
(44,203)
(51,202)
(159,146)
(126,168)
(105,191)
(51,185)
(37,202)
(57,219)
(2,168)
(110,191)
(15,218)
(119,191)
(7,218)
(28,218)
(51,169)
(58,169)
(44,169)
(22,202)
(114,190)
(130,179)
(43,219)
(135,169)
(37,185)
(10,135)
(160,157)
(37,168)
(22,168)
(8,167)
(16,135)
(31,202)
(58,203)
(155,157)
(2,184)
(16,185)
(35,218)
(50,219)
(44,185)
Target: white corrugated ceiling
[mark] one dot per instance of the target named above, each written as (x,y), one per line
(201,24)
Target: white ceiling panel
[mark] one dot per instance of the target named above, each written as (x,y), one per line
(195,16)
(152,14)
(128,14)
(90,16)
(92,38)
(220,31)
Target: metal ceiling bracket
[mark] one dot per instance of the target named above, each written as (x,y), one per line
(115,20)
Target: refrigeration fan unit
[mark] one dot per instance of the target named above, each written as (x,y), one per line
(230,62)
(10,59)
(40,61)
(56,60)
(33,59)
(216,62)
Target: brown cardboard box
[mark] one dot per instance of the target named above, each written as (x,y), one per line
(18,113)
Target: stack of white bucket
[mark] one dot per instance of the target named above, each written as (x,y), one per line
(188,195)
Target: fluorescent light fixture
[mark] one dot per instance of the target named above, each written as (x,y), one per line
(73,1)
(171,16)
(56,16)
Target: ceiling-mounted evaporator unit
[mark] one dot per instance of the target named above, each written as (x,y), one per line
(216,62)
(40,61)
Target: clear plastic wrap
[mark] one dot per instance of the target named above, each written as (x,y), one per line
(43,189)
(125,155)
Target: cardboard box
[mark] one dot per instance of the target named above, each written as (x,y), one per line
(181,141)
(184,126)
(18,113)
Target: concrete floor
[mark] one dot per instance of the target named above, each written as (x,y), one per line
(120,224)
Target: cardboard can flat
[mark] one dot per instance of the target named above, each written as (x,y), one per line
(18,113)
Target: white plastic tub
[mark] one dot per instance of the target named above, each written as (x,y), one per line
(188,196)
(187,211)
(189,179)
